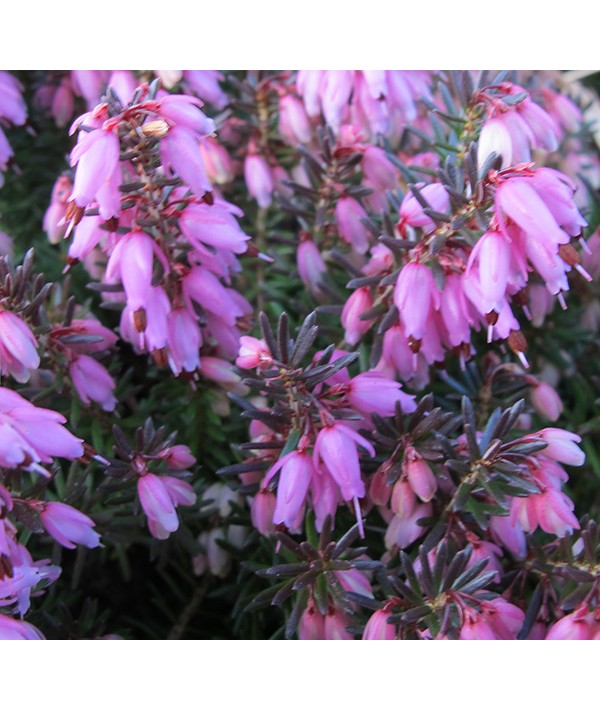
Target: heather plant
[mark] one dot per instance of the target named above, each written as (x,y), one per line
(299,354)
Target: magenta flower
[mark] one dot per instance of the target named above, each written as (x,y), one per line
(546,401)
(178,457)
(184,341)
(54,223)
(184,111)
(403,498)
(180,152)
(420,476)
(32,434)
(205,84)
(312,624)
(411,210)
(67,525)
(372,392)
(358,303)
(311,266)
(296,473)
(415,295)
(348,216)
(580,624)
(203,287)
(562,446)
(325,496)
(336,447)
(159,496)
(294,124)
(93,382)
(259,179)
(26,574)
(455,313)
(489,266)
(378,628)
(12,104)
(11,629)
(217,161)
(96,337)
(213,226)
(97,158)
(18,347)
(404,530)
(262,511)
(335,625)
(335,89)
(254,353)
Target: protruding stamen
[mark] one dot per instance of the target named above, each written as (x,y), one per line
(359,519)
(523,359)
(583,272)
(561,300)
(527,312)
(585,246)
(490,332)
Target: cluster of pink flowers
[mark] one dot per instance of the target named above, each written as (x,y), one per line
(58,95)
(142,203)
(448,286)
(12,111)
(159,495)
(379,101)
(31,437)
(323,469)
(447,206)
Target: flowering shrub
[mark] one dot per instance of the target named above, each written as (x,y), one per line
(302,354)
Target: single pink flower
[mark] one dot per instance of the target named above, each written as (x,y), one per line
(67,525)
(18,347)
(93,382)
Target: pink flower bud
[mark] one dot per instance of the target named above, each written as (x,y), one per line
(93,382)
(403,499)
(379,490)
(294,124)
(310,266)
(254,353)
(562,446)
(415,295)
(348,216)
(18,347)
(546,401)
(11,629)
(312,624)
(296,472)
(178,457)
(420,476)
(402,531)
(378,628)
(359,302)
(372,392)
(262,510)
(577,625)
(411,211)
(336,622)
(259,179)
(336,446)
